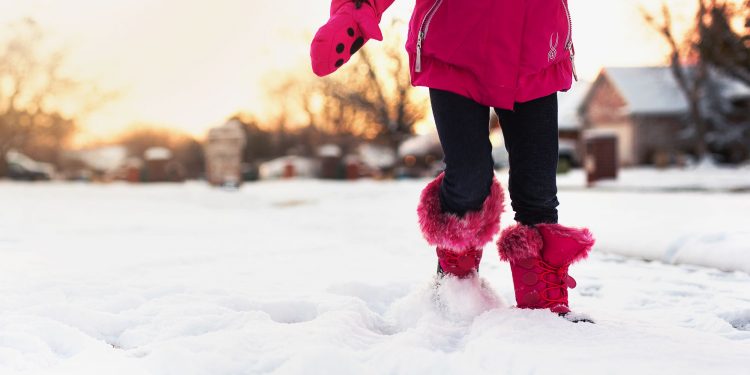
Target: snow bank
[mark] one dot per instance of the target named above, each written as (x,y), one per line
(678,216)
(644,179)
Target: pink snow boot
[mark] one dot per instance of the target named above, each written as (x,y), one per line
(539,258)
(352,24)
(459,240)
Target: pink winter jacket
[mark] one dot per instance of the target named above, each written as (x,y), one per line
(496,52)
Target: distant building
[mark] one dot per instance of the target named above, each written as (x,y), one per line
(160,166)
(225,146)
(102,163)
(643,107)
(569,122)
(420,155)
(290,166)
(568,104)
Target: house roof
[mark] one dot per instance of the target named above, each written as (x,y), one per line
(647,90)
(568,104)
(104,158)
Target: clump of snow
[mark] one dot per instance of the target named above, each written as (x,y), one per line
(465,299)
(458,300)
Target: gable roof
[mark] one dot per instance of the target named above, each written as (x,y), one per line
(647,90)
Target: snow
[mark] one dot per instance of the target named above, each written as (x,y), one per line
(375,156)
(157,153)
(275,168)
(28,163)
(679,216)
(104,158)
(421,144)
(704,178)
(648,90)
(308,276)
(329,150)
(654,90)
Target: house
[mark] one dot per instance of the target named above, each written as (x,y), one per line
(643,107)
(101,163)
(569,122)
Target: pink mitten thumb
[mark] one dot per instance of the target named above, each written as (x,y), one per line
(368,24)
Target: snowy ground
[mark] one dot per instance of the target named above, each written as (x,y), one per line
(311,277)
(703,178)
(687,217)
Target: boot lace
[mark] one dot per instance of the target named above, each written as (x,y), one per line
(556,279)
(463,261)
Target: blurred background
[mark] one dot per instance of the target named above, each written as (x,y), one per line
(148,91)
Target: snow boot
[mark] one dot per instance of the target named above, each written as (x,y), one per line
(459,239)
(539,258)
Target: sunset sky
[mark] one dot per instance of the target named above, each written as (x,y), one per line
(190,64)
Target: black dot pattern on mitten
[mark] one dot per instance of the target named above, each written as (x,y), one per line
(350,31)
(340,47)
(356,45)
(339,62)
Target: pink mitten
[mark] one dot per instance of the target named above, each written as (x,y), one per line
(352,24)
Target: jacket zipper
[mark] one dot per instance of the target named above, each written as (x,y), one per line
(569,40)
(423,27)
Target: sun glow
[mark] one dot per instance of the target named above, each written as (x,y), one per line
(190,65)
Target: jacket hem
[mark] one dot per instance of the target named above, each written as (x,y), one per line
(439,75)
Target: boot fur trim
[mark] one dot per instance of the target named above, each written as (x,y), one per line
(519,242)
(446,230)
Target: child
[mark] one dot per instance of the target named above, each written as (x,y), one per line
(513,56)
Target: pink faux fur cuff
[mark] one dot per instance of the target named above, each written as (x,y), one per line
(571,244)
(450,231)
(519,242)
(556,244)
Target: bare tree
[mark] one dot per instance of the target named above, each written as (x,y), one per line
(719,44)
(692,82)
(186,150)
(370,98)
(379,86)
(712,49)
(33,86)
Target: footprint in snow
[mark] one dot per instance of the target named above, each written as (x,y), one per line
(740,320)
(290,312)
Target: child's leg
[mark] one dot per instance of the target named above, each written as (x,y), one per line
(538,249)
(530,133)
(463,128)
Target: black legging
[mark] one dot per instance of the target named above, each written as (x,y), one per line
(530,133)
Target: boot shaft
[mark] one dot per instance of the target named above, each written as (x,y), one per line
(459,239)
(461,265)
